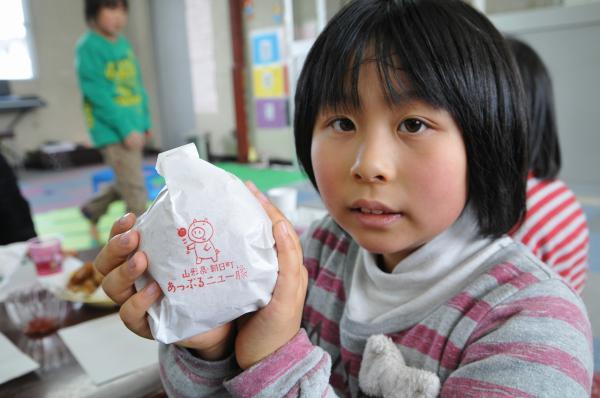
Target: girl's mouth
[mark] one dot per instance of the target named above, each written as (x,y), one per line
(371,207)
(378,212)
(372,214)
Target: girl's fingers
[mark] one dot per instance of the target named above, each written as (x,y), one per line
(116,251)
(273,212)
(119,284)
(122,224)
(133,311)
(290,276)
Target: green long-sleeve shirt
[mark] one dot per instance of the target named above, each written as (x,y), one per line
(114,100)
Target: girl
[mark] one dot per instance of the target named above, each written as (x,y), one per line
(555,228)
(409,123)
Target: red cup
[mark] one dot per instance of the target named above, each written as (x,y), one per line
(46,253)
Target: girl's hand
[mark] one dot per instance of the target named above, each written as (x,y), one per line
(118,283)
(268,329)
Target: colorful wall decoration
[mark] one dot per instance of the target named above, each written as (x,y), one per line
(272,113)
(269,77)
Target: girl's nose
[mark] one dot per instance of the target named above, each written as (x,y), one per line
(374,161)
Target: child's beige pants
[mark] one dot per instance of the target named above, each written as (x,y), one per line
(129,183)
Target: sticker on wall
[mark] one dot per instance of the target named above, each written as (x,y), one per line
(277,14)
(269,81)
(248,7)
(266,45)
(272,113)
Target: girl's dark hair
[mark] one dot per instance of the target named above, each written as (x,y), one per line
(542,135)
(447,54)
(92,7)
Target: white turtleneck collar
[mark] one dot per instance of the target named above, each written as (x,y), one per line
(425,279)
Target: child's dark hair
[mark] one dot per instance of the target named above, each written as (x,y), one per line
(92,7)
(448,55)
(542,135)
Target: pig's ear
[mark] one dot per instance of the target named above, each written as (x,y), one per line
(194,220)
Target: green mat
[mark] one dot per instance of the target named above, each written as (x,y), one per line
(69,224)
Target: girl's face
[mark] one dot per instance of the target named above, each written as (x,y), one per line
(111,21)
(393,177)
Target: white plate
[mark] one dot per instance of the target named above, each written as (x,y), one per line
(58,282)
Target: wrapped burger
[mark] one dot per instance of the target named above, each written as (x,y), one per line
(209,245)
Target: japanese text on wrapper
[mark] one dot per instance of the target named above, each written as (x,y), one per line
(203,276)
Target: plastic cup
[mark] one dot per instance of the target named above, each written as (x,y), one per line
(46,254)
(286,200)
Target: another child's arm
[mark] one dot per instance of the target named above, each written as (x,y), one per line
(145,104)
(537,342)
(100,92)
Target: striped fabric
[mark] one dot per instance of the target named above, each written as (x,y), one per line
(555,230)
(516,330)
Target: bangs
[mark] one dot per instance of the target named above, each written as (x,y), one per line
(387,39)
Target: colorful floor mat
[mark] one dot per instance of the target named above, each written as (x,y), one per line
(68,223)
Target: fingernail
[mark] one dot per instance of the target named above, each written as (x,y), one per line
(123,219)
(283,228)
(124,239)
(262,197)
(251,185)
(151,289)
(131,264)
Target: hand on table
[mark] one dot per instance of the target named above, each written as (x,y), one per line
(118,283)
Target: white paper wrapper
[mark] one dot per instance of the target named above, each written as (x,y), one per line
(209,245)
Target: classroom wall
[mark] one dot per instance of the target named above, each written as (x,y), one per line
(173,72)
(268,142)
(180,121)
(221,125)
(567,40)
(56,26)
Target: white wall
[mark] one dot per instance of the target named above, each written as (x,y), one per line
(568,40)
(173,71)
(271,142)
(221,125)
(56,27)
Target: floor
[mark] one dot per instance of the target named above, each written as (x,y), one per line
(55,196)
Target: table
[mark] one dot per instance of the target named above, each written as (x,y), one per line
(19,106)
(70,380)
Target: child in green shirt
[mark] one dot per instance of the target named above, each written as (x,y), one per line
(115,105)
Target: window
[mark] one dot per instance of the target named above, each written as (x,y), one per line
(15,44)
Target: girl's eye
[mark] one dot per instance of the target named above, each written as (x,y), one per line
(412,126)
(343,124)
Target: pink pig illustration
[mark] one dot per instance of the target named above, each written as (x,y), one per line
(200,233)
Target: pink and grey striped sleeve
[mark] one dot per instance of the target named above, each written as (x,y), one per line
(184,375)
(533,344)
(297,369)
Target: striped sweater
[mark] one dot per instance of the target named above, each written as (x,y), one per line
(555,229)
(515,330)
